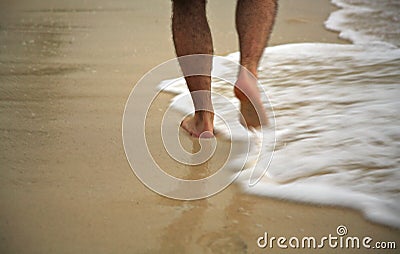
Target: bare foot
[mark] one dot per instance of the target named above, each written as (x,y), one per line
(251,106)
(200,125)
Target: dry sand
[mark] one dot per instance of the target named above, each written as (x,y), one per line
(66,70)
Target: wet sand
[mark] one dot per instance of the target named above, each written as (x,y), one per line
(66,71)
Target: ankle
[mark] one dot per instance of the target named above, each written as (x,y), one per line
(204,120)
(248,70)
(204,116)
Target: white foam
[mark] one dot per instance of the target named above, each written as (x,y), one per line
(366,21)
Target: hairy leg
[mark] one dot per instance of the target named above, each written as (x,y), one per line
(191,35)
(254,22)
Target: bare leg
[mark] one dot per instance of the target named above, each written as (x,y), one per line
(254,22)
(192,35)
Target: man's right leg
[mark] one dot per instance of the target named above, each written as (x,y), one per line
(192,35)
(254,22)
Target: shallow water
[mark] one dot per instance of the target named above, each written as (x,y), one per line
(336,113)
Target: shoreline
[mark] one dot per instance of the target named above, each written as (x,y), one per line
(67,70)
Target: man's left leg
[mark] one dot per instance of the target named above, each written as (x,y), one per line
(192,35)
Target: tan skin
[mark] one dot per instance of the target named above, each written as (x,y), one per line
(192,35)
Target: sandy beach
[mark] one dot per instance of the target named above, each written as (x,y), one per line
(66,71)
